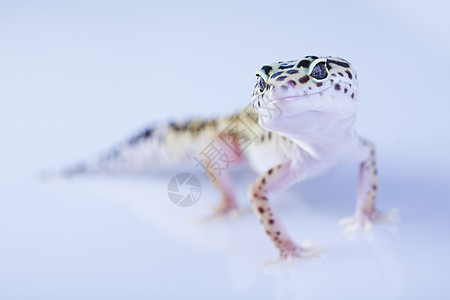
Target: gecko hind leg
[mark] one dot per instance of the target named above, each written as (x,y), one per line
(227,207)
(221,179)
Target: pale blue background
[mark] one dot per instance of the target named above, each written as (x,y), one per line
(78,76)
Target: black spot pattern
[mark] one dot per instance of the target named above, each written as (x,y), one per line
(339,63)
(266,69)
(293,71)
(282,67)
(145,134)
(349,74)
(304,79)
(274,75)
(179,127)
(304,63)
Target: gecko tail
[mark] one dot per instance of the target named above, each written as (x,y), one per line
(164,145)
(139,154)
(158,147)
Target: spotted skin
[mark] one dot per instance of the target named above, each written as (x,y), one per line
(301,72)
(318,97)
(272,180)
(313,130)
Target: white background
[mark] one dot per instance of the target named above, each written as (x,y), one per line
(78,76)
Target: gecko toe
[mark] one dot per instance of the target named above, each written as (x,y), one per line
(365,221)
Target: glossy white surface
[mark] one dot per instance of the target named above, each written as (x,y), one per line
(78,77)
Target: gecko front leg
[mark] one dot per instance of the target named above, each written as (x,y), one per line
(366,213)
(276,178)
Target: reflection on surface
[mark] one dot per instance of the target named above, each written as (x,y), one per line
(369,270)
(360,266)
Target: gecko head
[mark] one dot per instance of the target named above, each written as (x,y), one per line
(309,94)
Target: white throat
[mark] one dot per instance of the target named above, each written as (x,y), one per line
(320,134)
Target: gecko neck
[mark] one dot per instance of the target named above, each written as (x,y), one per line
(332,141)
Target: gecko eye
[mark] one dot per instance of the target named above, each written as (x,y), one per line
(319,71)
(260,83)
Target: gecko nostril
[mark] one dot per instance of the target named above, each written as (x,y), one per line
(292,83)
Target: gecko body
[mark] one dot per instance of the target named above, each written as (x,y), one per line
(301,123)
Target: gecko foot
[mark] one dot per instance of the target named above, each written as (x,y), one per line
(365,220)
(290,250)
(223,211)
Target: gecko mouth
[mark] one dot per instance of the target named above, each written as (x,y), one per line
(328,99)
(295,97)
